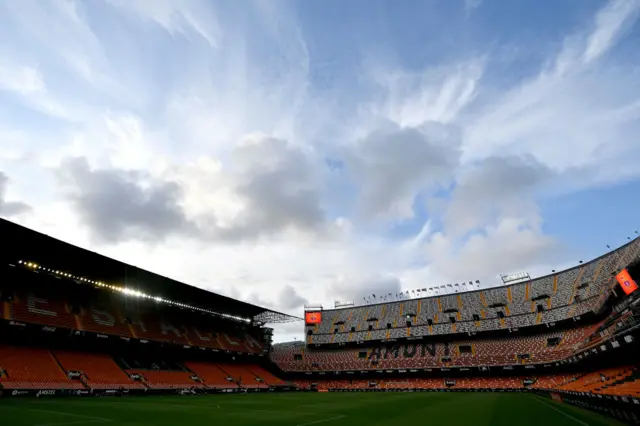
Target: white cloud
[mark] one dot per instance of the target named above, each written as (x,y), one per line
(194,139)
(19,78)
(496,187)
(176,16)
(438,94)
(568,116)
(611,22)
(512,245)
(471,5)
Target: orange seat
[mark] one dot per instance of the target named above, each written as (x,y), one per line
(100,370)
(28,368)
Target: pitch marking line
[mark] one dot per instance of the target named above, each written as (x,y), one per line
(321,421)
(91,419)
(239,410)
(229,408)
(84,422)
(560,411)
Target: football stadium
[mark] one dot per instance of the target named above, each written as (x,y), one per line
(89,340)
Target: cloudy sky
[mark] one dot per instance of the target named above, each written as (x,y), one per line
(286,152)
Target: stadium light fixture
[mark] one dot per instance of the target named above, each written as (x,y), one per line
(132,292)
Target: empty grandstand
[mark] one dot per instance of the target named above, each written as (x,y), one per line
(74,323)
(569,294)
(552,334)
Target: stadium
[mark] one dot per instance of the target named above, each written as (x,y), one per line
(86,339)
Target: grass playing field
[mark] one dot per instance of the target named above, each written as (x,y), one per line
(301,409)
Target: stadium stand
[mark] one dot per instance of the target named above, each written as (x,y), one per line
(52,310)
(98,371)
(166,379)
(242,376)
(42,308)
(539,348)
(546,300)
(615,381)
(565,334)
(102,317)
(265,376)
(212,375)
(28,368)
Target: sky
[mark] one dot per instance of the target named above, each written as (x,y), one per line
(294,152)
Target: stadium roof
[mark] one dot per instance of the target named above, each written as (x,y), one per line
(31,246)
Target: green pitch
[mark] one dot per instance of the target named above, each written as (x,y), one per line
(300,409)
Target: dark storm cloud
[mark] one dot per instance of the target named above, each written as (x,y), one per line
(393,164)
(119,205)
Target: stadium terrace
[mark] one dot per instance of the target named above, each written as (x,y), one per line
(75,326)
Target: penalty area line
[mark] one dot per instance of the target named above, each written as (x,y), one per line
(315,422)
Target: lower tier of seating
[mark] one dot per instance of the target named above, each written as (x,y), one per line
(624,381)
(97,371)
(28,368)
(167,379)
(516,349)
(34,368)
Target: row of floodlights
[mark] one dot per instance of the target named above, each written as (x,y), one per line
(124,290)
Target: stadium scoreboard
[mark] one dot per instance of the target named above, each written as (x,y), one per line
(626,282)
(311,318)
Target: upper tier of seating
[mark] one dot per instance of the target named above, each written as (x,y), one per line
(535,349)
(546,300)
(108,314)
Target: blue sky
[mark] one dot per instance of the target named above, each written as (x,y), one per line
(286,152)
